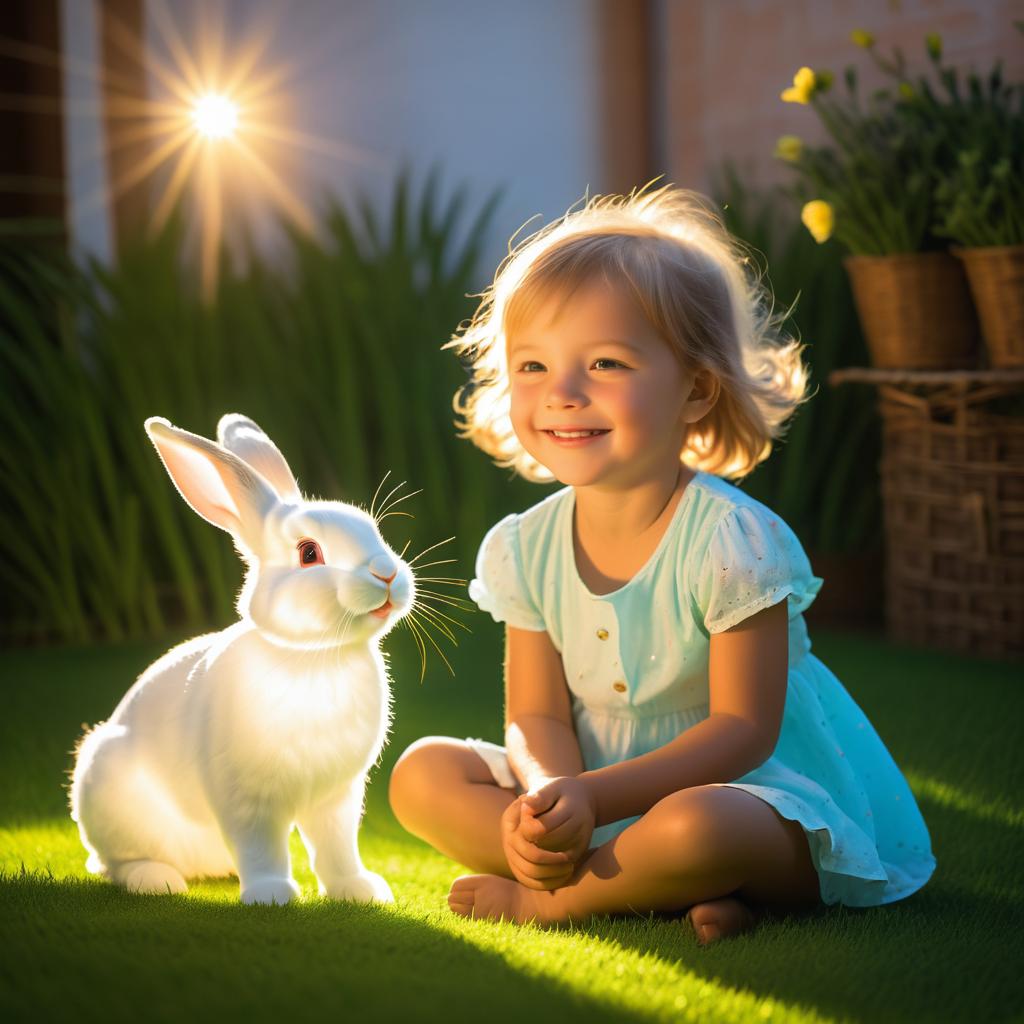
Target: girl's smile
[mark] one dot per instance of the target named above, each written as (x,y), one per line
(574,437)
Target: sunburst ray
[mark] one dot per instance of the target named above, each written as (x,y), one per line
(287,200)
(219,184)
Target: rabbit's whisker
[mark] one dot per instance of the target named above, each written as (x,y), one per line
(412,561)
(449,599)
(347,621)
(437,593)
(323,652)
(450,580)
(320,651)
(431,616)
(393,491)
(406,548)
(439,617)
(426,633)
(373,500)
(440,561)
(453,602)
(390,513)
(419,643)
(398,501)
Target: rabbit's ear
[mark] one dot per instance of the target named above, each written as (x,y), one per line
(216,483)
(241,435)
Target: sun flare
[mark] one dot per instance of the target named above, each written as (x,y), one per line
(215,116)
(201,85)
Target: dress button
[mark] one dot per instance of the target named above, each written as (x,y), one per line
(619,686)
(602,634)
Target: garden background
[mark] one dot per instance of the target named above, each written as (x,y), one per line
(324,323)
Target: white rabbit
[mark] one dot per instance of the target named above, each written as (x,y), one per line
(231,738)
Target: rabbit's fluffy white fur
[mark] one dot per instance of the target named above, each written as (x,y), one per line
(231,738)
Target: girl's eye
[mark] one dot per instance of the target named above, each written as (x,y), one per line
(608,364)
(531,366)
(310,553)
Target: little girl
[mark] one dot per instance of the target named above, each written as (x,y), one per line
(671,742)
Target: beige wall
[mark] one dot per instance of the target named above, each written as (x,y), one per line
(727,62)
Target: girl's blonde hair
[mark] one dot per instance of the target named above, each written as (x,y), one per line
(689,277)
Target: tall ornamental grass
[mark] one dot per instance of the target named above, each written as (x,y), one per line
(338,358)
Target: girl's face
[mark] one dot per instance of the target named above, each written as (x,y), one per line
(597,396)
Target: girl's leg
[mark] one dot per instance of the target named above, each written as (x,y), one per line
(697,848)
(444,793)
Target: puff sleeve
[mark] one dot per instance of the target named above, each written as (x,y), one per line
(752,562)
(500,587)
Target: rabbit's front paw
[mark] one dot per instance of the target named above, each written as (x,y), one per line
(364,887)
(271,890)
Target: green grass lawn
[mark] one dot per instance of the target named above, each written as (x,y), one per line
(75,947)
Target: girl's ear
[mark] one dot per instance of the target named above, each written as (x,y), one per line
(703,395)
(214,482)
(241,435)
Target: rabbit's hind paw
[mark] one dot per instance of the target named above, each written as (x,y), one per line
(364,887)
(148,876)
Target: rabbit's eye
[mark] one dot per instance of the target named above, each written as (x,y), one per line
(310,553)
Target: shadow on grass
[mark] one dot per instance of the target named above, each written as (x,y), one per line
(83,949)
(950,952)
(940,956)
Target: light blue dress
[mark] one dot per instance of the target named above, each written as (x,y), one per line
(636,662)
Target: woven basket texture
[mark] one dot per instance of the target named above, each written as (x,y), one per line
(952,478)
(996,276)
(916,310)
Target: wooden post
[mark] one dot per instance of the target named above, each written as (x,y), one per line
(624,102)
(32,162)
(124,90)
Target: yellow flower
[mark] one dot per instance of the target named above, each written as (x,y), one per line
(863,39)
(801,89)
(789,148)
(906,90)
(819,219)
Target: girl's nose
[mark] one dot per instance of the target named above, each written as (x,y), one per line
(565,394)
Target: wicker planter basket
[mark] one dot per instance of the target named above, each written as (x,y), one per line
(996,275)
(952,478)
(916,310)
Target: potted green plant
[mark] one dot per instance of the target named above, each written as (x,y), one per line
(871,188)
(979,198)
(823,478)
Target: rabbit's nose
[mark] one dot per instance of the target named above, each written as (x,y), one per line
(383,569)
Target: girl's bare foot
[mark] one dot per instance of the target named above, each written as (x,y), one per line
(717,919)
(494,897)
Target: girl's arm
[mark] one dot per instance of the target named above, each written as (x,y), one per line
(748,671)
(539,735)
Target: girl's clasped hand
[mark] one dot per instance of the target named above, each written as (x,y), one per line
(546,832)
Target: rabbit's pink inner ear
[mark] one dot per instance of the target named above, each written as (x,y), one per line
(201,485)
(264,457)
